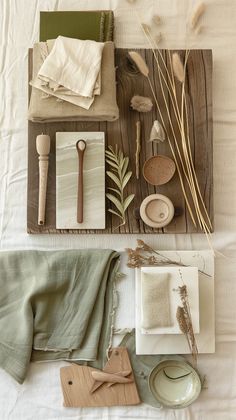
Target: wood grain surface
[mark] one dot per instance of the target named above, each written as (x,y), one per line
(81,390)
(123,133)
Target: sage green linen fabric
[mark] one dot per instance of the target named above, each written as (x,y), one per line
(55,305)
(94,25)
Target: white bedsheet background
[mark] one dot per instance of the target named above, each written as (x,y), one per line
(40,396)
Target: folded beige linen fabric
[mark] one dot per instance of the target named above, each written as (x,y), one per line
(70,70)
(155,300)
(104,108)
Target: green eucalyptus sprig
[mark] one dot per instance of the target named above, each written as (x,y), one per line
(118,173)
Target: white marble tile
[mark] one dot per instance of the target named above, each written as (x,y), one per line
(67,180)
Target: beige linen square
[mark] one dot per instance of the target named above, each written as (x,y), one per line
(155,300)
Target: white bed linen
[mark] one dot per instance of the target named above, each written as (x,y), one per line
(39,398)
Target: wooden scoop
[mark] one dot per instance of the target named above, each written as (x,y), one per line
(43,149)
(110,377)
(80,146)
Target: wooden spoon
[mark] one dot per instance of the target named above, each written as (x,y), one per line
(80,146)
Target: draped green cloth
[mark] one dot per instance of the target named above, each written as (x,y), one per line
(93,25)
(55,305)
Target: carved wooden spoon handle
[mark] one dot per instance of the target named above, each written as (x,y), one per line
(80,146)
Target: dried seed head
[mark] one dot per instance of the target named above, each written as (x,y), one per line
(141,103)
(197,13)
(178,67)
(156,19)
(143,246)
(140,63)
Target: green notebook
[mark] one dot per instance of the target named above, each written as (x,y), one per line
(93,25)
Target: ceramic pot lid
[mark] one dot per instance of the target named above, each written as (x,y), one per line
(158,170)
(157,210)
(174,384)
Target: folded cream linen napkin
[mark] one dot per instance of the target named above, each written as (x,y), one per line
(70,70)
(49,109)
(155,300)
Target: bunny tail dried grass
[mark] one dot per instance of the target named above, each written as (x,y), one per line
(178,67)
(197,13)
(140,63)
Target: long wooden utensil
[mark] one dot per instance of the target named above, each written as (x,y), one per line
(80,146)
(43,149)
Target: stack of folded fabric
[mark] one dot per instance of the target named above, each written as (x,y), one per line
(71,70)
(73,80)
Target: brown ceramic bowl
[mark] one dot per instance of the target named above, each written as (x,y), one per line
(158,170)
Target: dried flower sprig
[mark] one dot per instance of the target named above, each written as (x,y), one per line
(145,255)
(184,318)
(119,175)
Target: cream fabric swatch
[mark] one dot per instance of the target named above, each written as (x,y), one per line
(104,107)
(155,300)
(70,70)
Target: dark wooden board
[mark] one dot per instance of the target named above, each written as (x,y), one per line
(123,133)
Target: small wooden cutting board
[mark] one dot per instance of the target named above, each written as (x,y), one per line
(81,390)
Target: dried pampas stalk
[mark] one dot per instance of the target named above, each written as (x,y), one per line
(197,13)
(146,27)
(178,67)
(138,147)
(182,153)
(144,65)
(141,103)
(140,63)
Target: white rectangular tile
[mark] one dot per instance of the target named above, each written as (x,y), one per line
(67,180)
